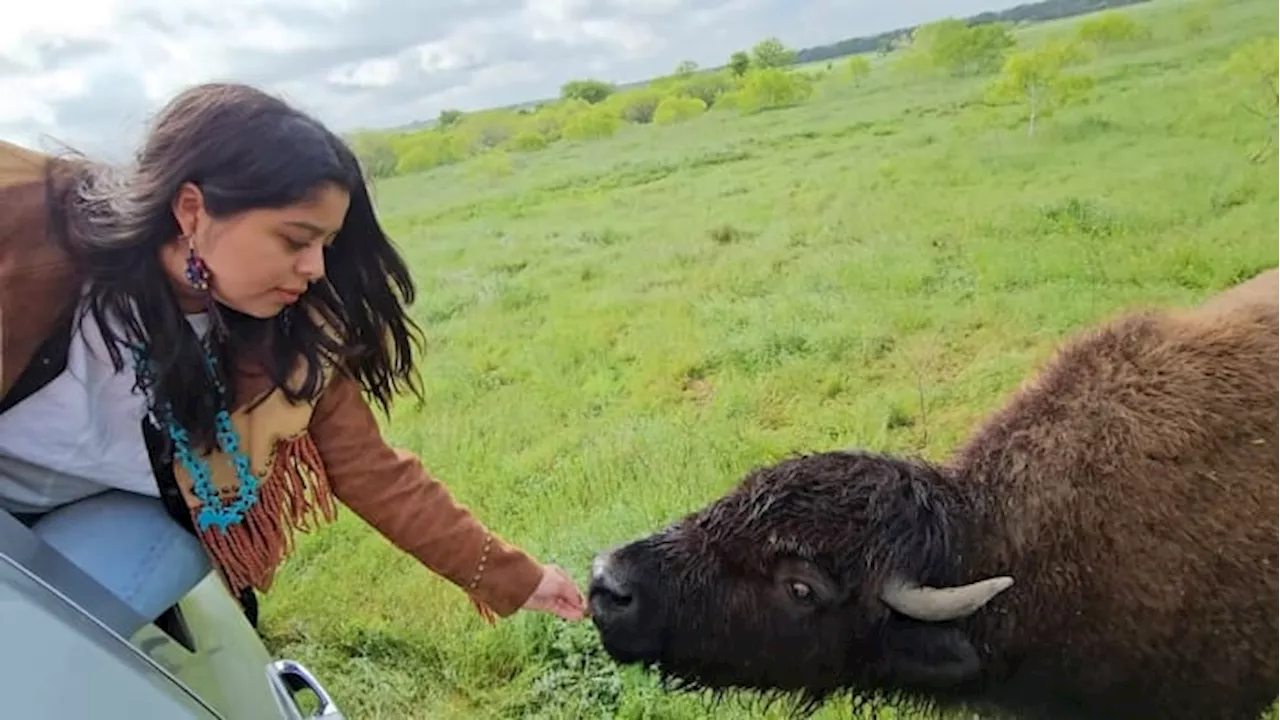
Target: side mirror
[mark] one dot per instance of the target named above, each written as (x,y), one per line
(288,678)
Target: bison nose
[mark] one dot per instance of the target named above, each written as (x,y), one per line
(609,595)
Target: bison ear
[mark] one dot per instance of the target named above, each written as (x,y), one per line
(928,655)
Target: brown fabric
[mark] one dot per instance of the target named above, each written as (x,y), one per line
(303,455)
(294,495)
(294,498)
(37,280)
(391,490)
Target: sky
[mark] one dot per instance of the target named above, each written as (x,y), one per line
(90,73)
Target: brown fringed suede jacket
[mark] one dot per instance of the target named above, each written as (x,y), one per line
(305,455)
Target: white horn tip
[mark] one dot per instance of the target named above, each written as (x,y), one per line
(942,604)
(1002,583)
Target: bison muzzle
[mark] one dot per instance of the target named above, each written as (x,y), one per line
(1103,546)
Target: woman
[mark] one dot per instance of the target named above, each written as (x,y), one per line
(185,351)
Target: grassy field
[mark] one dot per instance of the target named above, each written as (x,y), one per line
(620,329)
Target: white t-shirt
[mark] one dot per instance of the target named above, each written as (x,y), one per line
(79,435)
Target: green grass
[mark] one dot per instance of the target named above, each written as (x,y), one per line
(619,329)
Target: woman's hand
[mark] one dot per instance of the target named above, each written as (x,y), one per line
(557,594)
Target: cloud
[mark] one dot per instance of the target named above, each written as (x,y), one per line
(90,73)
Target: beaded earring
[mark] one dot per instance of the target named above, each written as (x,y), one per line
(199,276)
(213,512)
(197,271)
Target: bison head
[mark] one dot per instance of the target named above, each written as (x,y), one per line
(812,576)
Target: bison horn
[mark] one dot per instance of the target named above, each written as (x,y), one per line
(940,604)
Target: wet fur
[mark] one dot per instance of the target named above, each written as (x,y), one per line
(1130,489)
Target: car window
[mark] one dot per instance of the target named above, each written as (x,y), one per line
(61,663)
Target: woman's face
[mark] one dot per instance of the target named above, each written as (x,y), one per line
(260,260)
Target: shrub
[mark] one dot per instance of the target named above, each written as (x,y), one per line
(708,87)
(528,141)
(590,91)
(771,88)
(591,124)
(429,149)
(678,109)
(376,154)
(635,106)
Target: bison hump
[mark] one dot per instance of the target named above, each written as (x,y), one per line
(1160,387)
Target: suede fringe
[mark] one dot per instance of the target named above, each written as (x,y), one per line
(486,613)
(294,496)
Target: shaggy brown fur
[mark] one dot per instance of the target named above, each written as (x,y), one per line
(1130,490)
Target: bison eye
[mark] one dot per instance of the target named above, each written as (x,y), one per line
(800,591)
(804,584)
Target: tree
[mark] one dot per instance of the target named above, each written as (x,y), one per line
(591,91)
(686,67)
(957,49)
(449,118)
(983,49)
(1251,72)
(1036,79)
(739,63)
(771,53)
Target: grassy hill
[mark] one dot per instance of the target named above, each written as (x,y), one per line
(1022,14)
(620,328)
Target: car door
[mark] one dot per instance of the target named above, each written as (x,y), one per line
(60,662)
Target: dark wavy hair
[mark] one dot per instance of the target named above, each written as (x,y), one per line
(245,150)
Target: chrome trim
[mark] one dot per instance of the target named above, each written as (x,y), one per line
(278,672)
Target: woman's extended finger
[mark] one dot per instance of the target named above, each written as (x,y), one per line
(572,590)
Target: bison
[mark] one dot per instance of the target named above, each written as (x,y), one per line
(1103,546)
